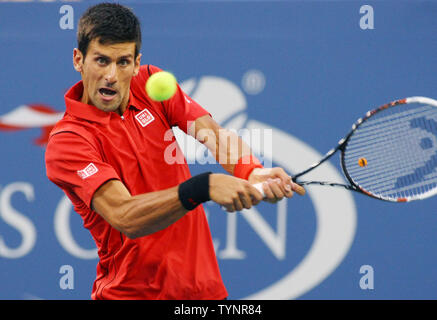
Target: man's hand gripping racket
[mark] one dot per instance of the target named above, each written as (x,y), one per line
(390,154)
(274,178)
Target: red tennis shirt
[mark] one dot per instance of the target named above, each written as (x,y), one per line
(88,147)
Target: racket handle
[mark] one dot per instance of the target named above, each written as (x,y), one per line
(299,189)
(259,187)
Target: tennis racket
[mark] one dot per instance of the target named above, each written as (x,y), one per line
(390,154)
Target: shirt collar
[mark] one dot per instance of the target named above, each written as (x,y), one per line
(89,112)
(133,102)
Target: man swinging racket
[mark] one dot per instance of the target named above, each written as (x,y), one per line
(108,155)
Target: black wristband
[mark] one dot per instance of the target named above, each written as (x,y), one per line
(194,191)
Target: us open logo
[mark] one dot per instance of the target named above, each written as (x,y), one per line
(144,117)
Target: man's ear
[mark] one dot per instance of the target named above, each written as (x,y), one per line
(78,60)
(137,64)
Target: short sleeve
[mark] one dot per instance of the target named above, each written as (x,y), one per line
(181,109)
(76,166)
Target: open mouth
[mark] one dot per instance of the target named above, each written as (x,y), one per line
(107,92)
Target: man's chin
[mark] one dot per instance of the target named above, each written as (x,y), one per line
(108,107)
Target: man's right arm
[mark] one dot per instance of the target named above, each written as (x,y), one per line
(140,215)
(144,214)
(68,156)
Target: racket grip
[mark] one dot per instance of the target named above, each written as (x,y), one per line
(259,187)
(299,189)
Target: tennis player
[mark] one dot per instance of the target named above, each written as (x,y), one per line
(108,154)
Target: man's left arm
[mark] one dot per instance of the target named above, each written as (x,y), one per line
(237,159)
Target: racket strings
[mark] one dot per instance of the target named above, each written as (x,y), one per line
(377,136)
(406,178)
(400,146)
(391,165)
(383,183)
(373,133)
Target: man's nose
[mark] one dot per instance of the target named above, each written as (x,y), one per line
(111,73)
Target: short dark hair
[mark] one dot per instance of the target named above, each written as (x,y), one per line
(110,23)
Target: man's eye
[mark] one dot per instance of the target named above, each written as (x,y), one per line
(101,60)
(124,62)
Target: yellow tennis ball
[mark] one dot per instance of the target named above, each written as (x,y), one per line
(161,86)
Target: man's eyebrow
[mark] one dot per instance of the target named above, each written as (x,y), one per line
(130,55)
(100,54)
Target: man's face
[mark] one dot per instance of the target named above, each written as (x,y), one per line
(106,72)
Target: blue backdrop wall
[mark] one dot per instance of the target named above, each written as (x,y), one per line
(298,72)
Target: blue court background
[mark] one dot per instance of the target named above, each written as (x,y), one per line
(322,72)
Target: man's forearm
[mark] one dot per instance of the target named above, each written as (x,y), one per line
(139,215)
(151,212)
(225,145)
